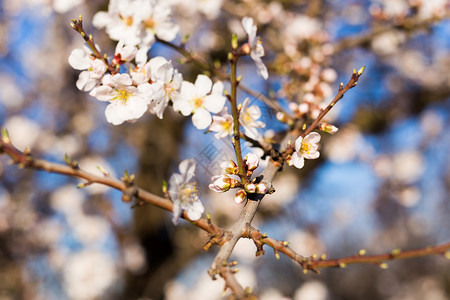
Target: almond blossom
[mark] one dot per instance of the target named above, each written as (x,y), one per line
(248,118)
(222,124)
(93,68)
(305,148)
(256,47)
(137,22)
(127,102)
(201,99)
(230,180)
(184,193)
(166,81)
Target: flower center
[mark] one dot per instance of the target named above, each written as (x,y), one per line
(188,192)
(122,95)
(198,102)
(247,118)
(149,23)
(127,20)
(306,147)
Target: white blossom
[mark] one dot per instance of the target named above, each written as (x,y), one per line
(248,118)
(127,102)
(222,124)
(221,183)
(166,81)
(305,148)
(137,22)
(256,47)
(200,100)
(93,68)
(184,193)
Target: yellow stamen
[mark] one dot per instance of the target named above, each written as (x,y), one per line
(122,95)
(198,102)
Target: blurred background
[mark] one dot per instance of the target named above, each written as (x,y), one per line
(382,181)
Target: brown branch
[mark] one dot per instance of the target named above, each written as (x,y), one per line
(342,90)
(89,39)
(25,160)
(314,262)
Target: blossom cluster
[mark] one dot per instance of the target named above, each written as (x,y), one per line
(231,179)
(133,86)
(249,116)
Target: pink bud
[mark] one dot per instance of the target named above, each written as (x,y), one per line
(252,161)
(250,187)
(240,197)
(261,188)
(221,183)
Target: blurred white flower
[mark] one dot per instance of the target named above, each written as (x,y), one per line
(63,6)
(134,257)
(91,164)
(407,166)
(305,148)
(22,131)
(305,243)
(89,274)
(200,99)
(248,118)
(256,47)
(67,200)
(137,22)
(11,94)
(312,290)
(89,229)
(184,193)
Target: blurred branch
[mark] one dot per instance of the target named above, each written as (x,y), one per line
(408,24)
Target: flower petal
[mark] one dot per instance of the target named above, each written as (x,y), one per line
(298,161)
(203,85)
(201,118)
(214,103)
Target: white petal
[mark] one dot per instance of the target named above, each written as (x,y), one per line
(203,85)
(85,82)
(79,59)
(176,212)
(298,161)
(182,106)
(187,166)
(103,93)
(312,155)
(313,137)
(201,118)
(214,103)
(298,143)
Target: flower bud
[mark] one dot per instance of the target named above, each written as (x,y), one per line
(252,161)
(221,183)
(261,188)
(246,49)
(328,128)
(240,197)
(289,160)
(230,167)
(250,187)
